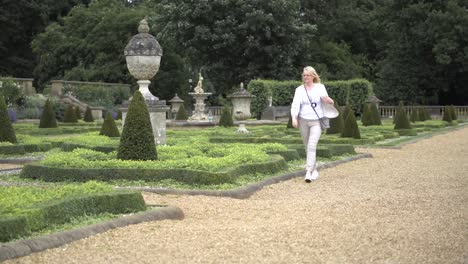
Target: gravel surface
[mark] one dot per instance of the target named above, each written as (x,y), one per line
(405,205)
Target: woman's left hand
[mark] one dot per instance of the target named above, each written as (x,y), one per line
(327,99)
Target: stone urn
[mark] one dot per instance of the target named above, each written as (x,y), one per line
(143,55)
(241,103)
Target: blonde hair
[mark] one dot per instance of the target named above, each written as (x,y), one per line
(311,70)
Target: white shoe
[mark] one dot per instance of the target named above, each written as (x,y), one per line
(314,175)
(308,176)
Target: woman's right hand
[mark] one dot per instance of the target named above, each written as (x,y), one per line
(294,122)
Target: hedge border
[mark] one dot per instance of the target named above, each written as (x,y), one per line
(54,174)
(25,247)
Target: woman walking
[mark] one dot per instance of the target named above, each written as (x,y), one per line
(306,111)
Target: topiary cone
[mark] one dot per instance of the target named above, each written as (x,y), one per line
(7,133)
(109,128)
(137,140)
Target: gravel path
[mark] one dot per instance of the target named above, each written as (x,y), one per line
(406,205)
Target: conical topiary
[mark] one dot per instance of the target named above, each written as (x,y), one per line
(375,115)
(7,133)
(337,123)
(366,116)
(70,115)
(351,129)
(137,140)
(109,128)
(226,118)
(289,125)
(453,113)
(77,112)
(414,115)
(88,116)
(348,109)
(48,119)
(181,114)
(401,119)
(447,116)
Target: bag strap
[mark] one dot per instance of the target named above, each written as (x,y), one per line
(313,107)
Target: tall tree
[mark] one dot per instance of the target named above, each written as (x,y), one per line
(426,56)
(233,41)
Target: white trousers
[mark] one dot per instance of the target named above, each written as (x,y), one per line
(310,132)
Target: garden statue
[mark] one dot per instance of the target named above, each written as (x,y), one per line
(199,87)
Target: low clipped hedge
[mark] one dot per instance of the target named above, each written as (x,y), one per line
(326,151)
(406,132)
(72,146)
(19,149)
(62,211)
(297,140)
(58,174)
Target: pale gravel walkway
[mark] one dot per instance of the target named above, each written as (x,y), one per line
(406,205)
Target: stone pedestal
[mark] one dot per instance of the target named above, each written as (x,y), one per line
(157,110)
(199,107)
(96,112)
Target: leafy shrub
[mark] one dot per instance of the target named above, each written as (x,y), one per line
(10,91)
(401,119)
(414,116)
(366,116)
(48,119)
(70,115)
(375,115)
(226,118)
(337,123)
(453,113)
(109,128)
(447,115)
(78,113)
(351,129)
(6,132)
(32,106)
(181,114)
(137,140)
(88,116)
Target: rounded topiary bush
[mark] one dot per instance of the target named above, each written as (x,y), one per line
(109,128)
(375,115)
(88,116)
(351,129)
(70,115)
(48,119)
(226,118)
(401,119)
(337,123)
(137,140)
(7,134)
(182,113)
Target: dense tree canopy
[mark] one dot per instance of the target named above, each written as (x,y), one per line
(412,50)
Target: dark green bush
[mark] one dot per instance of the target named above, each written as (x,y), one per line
(48,119)
(77,112)
(7,134)
(401,119)
(181,114)
(453,113)
(351,128)
(226,118)
(109,128)
(414,116)
(337,123)
(447,115)
(375,115)
(70,115)
(137,140)
(289,125)
(88,116)
(366,116)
